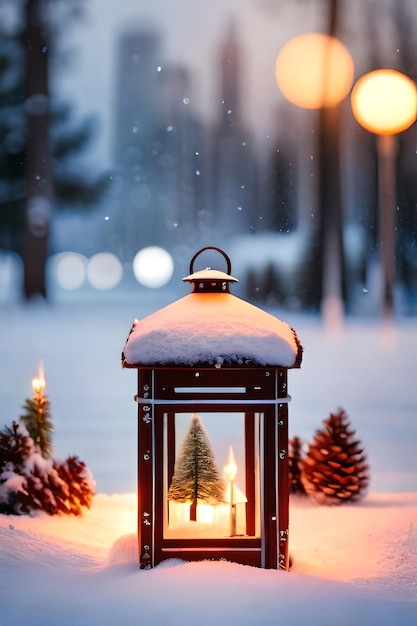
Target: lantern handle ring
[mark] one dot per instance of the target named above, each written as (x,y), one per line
(228,261)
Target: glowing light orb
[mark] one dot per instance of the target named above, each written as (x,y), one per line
(153,267)
(385,102)
(314,71)
(71,270)
(104,271)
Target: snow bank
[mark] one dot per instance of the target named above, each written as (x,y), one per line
(352,565)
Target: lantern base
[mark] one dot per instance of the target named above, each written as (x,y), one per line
(236,550)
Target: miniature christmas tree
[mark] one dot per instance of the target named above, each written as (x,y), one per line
(335,468)
(196,476)
(294,466)
(37,418)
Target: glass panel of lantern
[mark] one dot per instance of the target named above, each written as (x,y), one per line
(211,474)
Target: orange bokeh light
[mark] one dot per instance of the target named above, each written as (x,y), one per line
(314,71)
(385,102)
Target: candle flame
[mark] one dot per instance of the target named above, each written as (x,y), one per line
(231,468)
(38,383)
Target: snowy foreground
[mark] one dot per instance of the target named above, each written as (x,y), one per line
(352,564)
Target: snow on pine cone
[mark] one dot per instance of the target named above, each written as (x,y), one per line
(335,469)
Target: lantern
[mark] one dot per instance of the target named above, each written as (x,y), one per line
(212,426)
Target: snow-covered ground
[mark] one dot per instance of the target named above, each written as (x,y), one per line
(352,564)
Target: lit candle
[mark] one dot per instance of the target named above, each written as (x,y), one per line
(38,383)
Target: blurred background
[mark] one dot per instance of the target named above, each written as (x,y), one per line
(134,133)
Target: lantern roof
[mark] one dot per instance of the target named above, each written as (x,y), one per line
(211,327)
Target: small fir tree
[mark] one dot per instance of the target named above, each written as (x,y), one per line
(30,479)
(335,469)
(196,476)
(37,417)
(295,458)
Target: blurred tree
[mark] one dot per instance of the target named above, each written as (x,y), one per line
(280,203)
(330,252)
(252,286)
(392,42)
(273,290)
(39,186)
(37,144)
(403,15)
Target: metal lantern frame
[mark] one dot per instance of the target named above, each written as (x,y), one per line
(260,393)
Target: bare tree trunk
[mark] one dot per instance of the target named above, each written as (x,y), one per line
(387,163)
(332,276)
(332,270)
(38,172)
(193,511)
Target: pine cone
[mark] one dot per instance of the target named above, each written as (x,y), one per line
(335,468)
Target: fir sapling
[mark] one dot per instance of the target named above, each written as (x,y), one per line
(30,478)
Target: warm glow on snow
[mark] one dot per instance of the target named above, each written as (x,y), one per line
(206,513)
(352,565)
(314,70)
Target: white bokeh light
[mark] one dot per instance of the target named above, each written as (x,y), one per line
(153,267)
(70,270)
(104,271)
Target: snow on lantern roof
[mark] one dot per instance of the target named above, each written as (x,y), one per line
(209,327)
(205,329)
